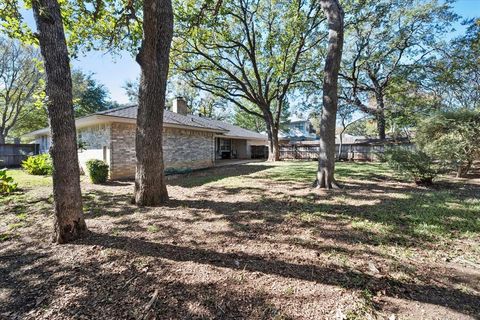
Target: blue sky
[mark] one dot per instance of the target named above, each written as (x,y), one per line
(113,72)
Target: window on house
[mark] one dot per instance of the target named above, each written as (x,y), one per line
(225,145)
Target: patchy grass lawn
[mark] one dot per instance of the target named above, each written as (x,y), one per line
(249,242)
(27,181)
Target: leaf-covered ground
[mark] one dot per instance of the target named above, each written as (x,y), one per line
(249,242)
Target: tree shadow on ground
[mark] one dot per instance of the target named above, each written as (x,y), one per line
(205,176)
(117,285)
(351,279)
(98,203)
(116,288)
(402,218)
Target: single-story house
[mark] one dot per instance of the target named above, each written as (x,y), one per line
(189,141)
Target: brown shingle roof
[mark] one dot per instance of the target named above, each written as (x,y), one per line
(170,117)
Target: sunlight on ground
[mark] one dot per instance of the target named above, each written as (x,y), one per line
(260,231)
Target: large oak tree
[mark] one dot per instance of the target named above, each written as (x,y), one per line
(69,222)
(20,80)
(326,159)
(153,57)
(254,54)
(145,29)
(384,39)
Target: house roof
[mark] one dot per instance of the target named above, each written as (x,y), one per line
(231,130)
(170,119)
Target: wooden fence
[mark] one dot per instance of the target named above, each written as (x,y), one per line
(12,155)
(356,151)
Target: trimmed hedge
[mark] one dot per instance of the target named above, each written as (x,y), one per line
(97,170)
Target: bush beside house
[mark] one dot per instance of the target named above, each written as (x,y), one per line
(97,171)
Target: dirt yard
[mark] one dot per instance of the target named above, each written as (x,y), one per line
(249,242)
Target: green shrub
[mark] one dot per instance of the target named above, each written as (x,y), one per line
(39,165)
(452,137)
(7,185)
(412,164)
(97,170)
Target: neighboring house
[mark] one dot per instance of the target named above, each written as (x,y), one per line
(297,130)
(189,141)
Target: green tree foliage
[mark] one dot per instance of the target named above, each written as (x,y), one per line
(248,121)
(89,96)
(253,54)
(452,137)
(386,39)
(406,103)
(32,117)
(364,127)
(455,75)
(20,84)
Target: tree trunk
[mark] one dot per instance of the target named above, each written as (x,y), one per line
(380,116)
(150,187)
(69,221)
(2,138)
(272,133)
(326,160)
(273,147)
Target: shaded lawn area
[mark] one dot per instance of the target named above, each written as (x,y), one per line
(249,242)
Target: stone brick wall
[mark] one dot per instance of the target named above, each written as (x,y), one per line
(115,144)
(188,148)
(123,150)
(182,149)
(95,137)
(97,144)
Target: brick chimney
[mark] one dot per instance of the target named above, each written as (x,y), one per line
(180,106)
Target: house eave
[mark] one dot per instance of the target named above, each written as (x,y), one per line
(242,137)
(100,119)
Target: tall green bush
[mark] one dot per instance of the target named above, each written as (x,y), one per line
(412,164)
(40,165)
(97,170)
(452,137)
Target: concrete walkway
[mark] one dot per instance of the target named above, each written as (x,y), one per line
(232,162)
